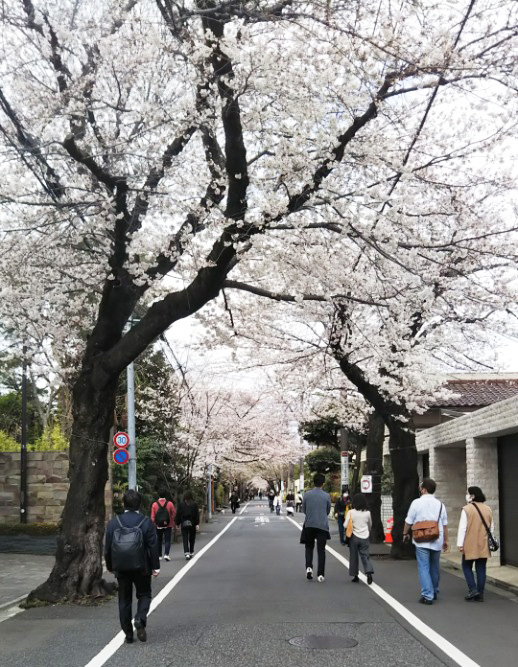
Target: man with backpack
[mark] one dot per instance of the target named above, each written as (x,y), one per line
(131,553)
(163,513)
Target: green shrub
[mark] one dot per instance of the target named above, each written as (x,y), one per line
(51,440)
(8,443)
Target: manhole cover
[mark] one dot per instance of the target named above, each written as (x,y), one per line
(322,642)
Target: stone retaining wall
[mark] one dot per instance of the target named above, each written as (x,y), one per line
(47,486)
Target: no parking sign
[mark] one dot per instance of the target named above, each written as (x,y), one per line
(366,484)
(121,456)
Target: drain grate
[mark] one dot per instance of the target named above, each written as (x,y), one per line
(322,642)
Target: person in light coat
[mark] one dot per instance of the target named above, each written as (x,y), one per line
(359,541)
(472,541)
(277,503)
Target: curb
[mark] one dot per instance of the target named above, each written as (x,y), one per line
(498,583)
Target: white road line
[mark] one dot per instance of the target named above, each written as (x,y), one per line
(113,646)
(447,647)
(244,508)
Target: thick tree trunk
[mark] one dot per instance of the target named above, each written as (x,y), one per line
(403,455)
(374,467)
(77,572)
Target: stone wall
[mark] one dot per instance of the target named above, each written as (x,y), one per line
(47,486)
(448,470)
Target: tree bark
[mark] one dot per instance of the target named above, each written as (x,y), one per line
(374,467)
(403,454)
(77,572)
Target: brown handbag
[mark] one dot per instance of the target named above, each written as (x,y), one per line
(349,527)
(426,531)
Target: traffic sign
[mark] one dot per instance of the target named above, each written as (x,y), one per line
(121,439)
(366,484)
(121,456)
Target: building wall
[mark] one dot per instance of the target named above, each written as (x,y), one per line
(448,469)
(47,486)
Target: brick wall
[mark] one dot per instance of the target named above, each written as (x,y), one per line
(448,469)
(47,486)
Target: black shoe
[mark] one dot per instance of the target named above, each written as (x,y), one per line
(141,633)
(129,638)
(309,573)
(423,600)
(435,596)
(479,598)
(355,580)
(369,578)
(472,595)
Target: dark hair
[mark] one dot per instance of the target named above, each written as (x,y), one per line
(318,479)
(477,494)
(187,497)
(162,493)
(132,500)
(429,485)
(360,502)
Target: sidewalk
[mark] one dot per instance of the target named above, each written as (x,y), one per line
(501,576)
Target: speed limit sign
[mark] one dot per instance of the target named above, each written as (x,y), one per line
(121,439)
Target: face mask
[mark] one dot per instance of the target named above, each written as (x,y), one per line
(468,497)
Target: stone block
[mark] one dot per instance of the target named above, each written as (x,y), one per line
(35,478)
(35,456)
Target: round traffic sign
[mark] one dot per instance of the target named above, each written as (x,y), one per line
(121,456)
(121,439)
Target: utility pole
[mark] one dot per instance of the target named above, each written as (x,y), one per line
(209,494)
(132,447)
(23,448)
(344,460)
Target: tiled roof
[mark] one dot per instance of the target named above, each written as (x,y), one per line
(479,392)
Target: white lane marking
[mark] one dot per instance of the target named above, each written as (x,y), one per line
(113,646)
(261,519)
(244,508)
(447,647)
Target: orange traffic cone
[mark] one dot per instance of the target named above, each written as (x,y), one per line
(388,532)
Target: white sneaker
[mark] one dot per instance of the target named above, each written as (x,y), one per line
(320,578)
(166,558)
(160,558)
(309,573)
(187,556)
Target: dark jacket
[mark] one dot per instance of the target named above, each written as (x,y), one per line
(130,519)
(187,511)
(341,506)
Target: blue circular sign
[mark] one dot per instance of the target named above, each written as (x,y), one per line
(121,456)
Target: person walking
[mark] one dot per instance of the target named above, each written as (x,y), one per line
(472,541)
(298,504)
(131,553)
(163,513)
(234,501)
(361,520)
(430,511)
(277,503)
(316,505)
(188,518)
(342,506)
(271,497)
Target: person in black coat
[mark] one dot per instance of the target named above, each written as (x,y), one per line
(188,518)
(140,578)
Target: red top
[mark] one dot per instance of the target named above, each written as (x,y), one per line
(170,508)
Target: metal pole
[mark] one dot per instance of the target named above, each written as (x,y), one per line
(23,448)
(132,448)
(209,500)
(301,476)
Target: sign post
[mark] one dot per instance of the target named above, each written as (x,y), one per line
(366,484)
(121,441)
(344,470)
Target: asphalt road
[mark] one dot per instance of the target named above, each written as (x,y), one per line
(242,601)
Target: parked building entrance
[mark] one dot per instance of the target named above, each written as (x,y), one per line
(508,483)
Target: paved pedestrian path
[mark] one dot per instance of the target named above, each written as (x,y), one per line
(243,600)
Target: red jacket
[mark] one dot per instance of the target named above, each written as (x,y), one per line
(170,508)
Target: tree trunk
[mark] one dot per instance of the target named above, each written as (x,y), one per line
(374,467)
(403,455)
(77,572)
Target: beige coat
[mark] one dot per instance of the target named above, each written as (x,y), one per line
(475,541)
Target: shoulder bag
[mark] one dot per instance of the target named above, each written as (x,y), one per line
(491,539)
(426,531)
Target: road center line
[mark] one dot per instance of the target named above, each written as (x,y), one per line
(443,644)
(113,646)
(244,508)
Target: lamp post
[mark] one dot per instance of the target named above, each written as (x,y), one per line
(23,448)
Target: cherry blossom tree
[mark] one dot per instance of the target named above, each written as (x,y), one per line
(149,149)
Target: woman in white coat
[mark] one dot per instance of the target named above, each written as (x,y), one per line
(359,541)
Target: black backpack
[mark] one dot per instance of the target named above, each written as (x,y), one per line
(128,552)
(162,517)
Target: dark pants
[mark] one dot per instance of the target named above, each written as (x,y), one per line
(341,530)
(359,548)
(233,506)
(320,536)
(480,569)
(298,507)
(142,583)
(189,537)
(164,536)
